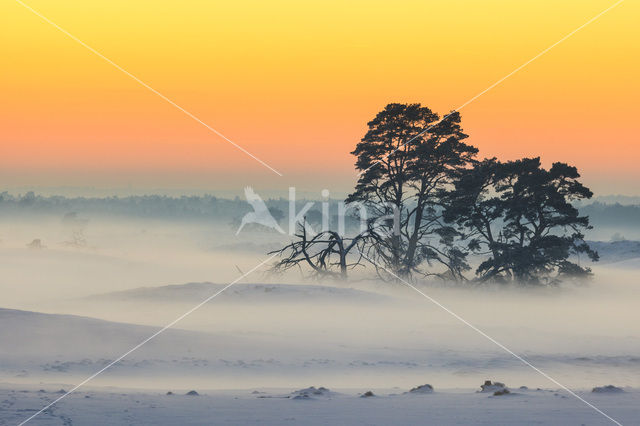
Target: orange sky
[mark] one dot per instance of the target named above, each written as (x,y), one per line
(295,83)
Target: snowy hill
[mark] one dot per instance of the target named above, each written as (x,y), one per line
(616,251)
(51,345)
(268,293)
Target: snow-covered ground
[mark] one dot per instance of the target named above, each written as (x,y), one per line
(387,343)
(115,406)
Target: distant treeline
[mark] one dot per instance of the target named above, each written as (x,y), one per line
(204,207)
(617,215)
(146,206)
(212,207)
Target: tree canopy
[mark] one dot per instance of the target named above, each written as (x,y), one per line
(433,209)
(521,216)
(406,158)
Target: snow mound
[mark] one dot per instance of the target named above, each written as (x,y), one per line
(266,293)
(607,389)
(422,389)
(311,393)
(493,387)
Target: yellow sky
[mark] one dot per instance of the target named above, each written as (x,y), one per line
(295,83)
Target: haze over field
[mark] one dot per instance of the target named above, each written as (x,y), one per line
(279,333)
(286,329)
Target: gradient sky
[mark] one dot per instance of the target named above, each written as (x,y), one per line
(295,83)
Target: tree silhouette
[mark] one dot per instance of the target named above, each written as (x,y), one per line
(521,216)
(430,204)
(406,158)
(327,253)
